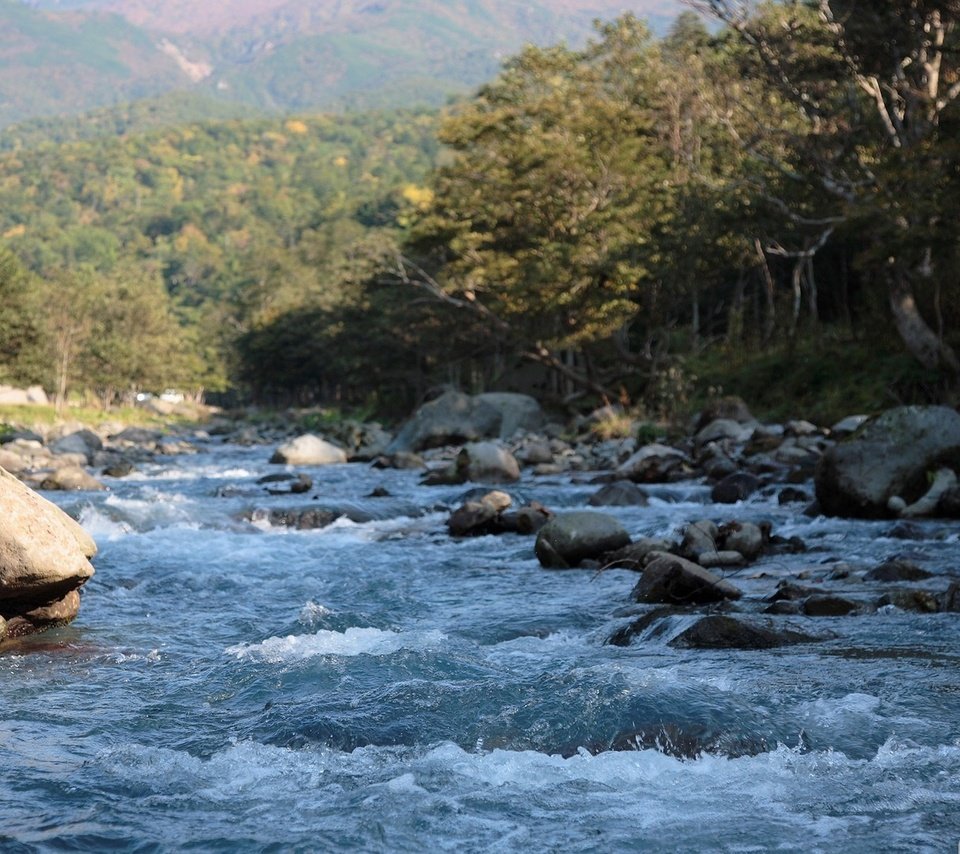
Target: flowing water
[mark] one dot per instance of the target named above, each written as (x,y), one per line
(377,686)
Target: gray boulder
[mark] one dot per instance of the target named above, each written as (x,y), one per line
(718,631)
(654,463)
(889,458)
(517,412)
(453,418)
(84,442)
(570,538)
(309,450)
(487,462)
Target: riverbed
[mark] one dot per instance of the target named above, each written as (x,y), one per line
(378,686)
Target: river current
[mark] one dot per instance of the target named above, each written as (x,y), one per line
(378,686)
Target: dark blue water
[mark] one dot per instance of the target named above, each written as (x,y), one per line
(376,686)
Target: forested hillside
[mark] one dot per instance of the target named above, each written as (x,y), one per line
(642,219)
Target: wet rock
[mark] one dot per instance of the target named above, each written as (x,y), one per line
(569,538)
(301,520)
(297,486)
(635,555)
(44,554)
(529,519)
(71,478)
(379,492)
(784,607)
(889,457)
(829,606)
(654,464)
(743,537)
(848,426)
(944,480)
(718,631)
(950,599)
(921,601)
(309,450)
(793,495)
(118,470)
(735,487)
(673,580)
(474,519)
(776,545)
(487,462)
(625,635)
(725,558)
(50,615)
(699,538)
(792,592)
(620,494)
(897,570)
(402,460)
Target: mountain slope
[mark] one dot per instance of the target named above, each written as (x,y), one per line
(68,56)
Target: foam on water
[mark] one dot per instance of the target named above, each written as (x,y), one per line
(352,642)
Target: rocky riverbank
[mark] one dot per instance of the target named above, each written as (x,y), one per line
(899,466)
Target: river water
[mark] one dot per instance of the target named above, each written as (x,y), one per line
(377,686)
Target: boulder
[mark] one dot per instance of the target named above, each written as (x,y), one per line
(44,554)
(620,494)
(84,442)
(673,580)
(699,538)
(654,463)
(635,555)
(921,601)
(517,412)
(735,487)
(487,462)
(479,517)
(71,477)
(718,631)
(897,570)
(569,538)
(829,606)
(743,537)
(452,419)
(309,450)
(889,458)
(730,408)
(724,428)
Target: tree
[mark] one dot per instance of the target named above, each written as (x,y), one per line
(874,88)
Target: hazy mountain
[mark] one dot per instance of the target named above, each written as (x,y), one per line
(60,57)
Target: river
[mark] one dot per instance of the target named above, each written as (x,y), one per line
(377,686)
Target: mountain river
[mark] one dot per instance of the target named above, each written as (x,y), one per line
(378,686)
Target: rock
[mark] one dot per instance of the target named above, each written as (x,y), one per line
(620,494)
(57,613)
(731,408)
(71,478)
(828,606)
(949,506)
(793,495)
(792,592)
(743,537)
(569,538)
(897,570)
(635,555)
(452,419)
(672,580)
(735,487)
(921,601)
(943,481)
(309,450)
(725,558)
(487,462)
(402,460)
(118,470)
(13,463)
(800,428)
(950,599)
(531,518)
(517,412)
(848,426)
(300,484)
(654,464)
(724,428)
(84,442)
(302,520)
(624,636)
(889,457)
(137,436)
(699,538)
(44,554)
(718,631)
(23,396)
(536,453)
(473,519)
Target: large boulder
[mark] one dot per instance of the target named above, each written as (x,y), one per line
(889,458)
(517,411)
(487,462)
(44,557)
(309,450)
(570,538)
(452,419)
(84,442)
(654,463)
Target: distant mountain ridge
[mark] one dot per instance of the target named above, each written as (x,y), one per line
(63,57)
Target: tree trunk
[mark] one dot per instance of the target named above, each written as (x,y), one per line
(921,341)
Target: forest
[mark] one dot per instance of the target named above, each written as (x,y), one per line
(766,206)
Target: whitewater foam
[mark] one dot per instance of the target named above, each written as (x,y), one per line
(353,642)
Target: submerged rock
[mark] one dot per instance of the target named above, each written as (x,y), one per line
(570,538)
(620,494)
(718,631)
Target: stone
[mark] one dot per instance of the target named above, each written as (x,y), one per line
(71,477)
(137,436)
(84,442)
(743,537)
(301,520)
(517,412)
(725,558)
(118,470)
(487,462)
(730,407)
(793,495)
(828,606)
(921,601)
(897,570)
(654,463)
(473,519)
(44,554)
(724,429)
(453,418)
(309,450)
(673,580)
(620,494)
(718,631)
(949,504)
(699,538)
(848,426)
(536,453)
(735,487)
(569,538)
(943,481)
(57,613)
(635,556)
(402,460)
(889,457)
